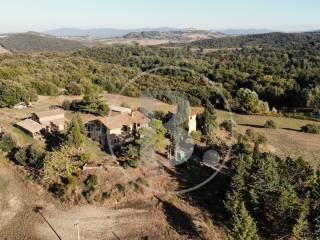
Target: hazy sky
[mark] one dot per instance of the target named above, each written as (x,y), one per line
(24,15)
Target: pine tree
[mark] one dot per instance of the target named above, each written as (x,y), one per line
(301,230)
(243,226)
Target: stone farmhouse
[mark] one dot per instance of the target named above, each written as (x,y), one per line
(117,129)
(45,121)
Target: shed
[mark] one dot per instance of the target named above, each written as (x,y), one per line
(30,127)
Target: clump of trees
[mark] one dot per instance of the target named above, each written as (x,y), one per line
(271,195)
(89,104)
(248,102)
(12,93)
(229,125)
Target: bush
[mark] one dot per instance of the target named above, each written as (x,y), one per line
(229,125)
(270,124)
(196,135)
(91,181)
(120,187)
(7,143)
(311,128)
(57,189)
(125,105)
(66,105)
(134,163)
(32,156)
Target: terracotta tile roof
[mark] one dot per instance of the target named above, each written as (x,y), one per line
(116,121)
(30,125)
(49,113)
(139,118)
(196,111)
(119,120)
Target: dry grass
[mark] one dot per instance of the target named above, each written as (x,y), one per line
(286,139)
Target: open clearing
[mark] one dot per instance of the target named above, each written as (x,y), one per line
(286,139)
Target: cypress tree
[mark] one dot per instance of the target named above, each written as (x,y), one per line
(243,226)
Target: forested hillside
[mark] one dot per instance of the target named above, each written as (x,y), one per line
(284,70)
(34,42)
(266,40)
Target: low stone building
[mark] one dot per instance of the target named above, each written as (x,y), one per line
(31,128)
(53,120)
(49,121)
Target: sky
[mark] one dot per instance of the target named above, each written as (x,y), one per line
(41,15)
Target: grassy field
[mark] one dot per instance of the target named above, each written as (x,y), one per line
(286,140)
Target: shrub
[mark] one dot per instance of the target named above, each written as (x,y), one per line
(229,125)
(120,187)
(311,128)
(196,135)
(91,181)
(7,143)
(57,189)
(66,105)
(142,181)
(270,124)
(125,105)
(134,163)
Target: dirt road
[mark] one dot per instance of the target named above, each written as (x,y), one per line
(19,221)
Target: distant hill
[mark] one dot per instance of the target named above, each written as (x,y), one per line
(250,31)
(266,40)
(149,37)
(178,36)
(36,42)
(100,32)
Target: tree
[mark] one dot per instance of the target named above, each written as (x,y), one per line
(31,156)
(103,109)
(248,102)
(75,132)
(313,98)
(243,226)
(160,131)
(301,230)
(210,120)
(7,143)
(62,163)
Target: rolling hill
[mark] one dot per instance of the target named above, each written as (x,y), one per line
(266,40)
(100,32)
(36,42)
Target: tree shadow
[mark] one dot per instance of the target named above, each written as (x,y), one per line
(291,129)
(53,140)
(179,220)
(209,197)
(251,125)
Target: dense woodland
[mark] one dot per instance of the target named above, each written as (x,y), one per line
(283,69)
